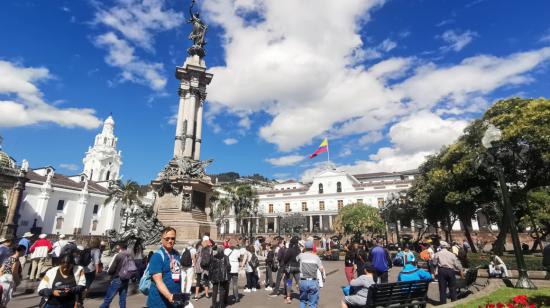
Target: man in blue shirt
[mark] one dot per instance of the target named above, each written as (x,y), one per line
(381,261)
(5,250)
(165,271)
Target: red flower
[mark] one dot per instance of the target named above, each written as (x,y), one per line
(511,306)
(500,305)
(520,299)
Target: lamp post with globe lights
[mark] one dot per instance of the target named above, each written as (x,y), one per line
(490,142)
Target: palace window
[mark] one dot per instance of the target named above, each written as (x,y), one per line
(270,208)
(304,206)
(321,205)
(59,223)
(320,188)
(360,201)
(96,209)
(60,205)
(340,204)
(338,187)
(287,207)
(380,202)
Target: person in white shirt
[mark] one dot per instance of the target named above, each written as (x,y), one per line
(56,249)
(234,254)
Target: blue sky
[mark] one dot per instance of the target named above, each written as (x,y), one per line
(387,82)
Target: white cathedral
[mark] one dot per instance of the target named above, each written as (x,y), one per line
(59,204)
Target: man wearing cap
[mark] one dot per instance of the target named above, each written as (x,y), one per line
(447,265)
(309,285)
(5,250)
(39,250)
(25,241)
(56,250)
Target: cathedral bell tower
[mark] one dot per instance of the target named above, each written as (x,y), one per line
(102,161)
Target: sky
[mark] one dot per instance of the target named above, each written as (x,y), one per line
(387,82)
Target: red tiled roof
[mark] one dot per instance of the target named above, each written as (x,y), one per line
(62,181)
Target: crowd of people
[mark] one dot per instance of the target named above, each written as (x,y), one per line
(289,267)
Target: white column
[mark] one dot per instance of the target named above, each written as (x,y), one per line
(399,226)
(275,225)
(266,223)
(310,223)
(330,222)
(179,142)
(248,226)
(475,225)
(198,135)
(190,117)
(257,226)
(321,222)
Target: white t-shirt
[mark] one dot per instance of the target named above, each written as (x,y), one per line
(233,255)
(95,253)
(57,246)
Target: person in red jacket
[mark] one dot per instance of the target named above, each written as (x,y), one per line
(39,251)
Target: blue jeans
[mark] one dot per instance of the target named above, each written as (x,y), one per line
(309,293)
(117,286)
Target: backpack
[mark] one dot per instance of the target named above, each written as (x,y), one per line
(254,262)
(186,260)
(145,281)
(425,255)
(206,254)
(128,269)
(69,248)
(85,257)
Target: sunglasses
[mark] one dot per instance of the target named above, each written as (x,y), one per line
(169,239)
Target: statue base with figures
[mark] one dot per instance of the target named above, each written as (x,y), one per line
(183,199)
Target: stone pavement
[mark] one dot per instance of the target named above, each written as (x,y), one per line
(331,294)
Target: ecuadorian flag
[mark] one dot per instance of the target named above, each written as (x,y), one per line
(323,148)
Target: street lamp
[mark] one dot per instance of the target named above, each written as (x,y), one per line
(493,134)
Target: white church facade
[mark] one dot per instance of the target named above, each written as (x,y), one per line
(58,204)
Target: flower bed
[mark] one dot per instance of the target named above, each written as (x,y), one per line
(512,298)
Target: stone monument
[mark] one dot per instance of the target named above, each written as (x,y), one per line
(182,187)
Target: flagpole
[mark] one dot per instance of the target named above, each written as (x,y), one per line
(328,155)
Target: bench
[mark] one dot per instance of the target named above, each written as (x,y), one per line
(398,294)
(463,285)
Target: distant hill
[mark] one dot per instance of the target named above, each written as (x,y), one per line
(233,177)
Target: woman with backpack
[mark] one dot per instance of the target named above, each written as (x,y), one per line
(202,263)
(292,267)
(270,266)
(251,269)
(219,277)
(121,270)
(90,259)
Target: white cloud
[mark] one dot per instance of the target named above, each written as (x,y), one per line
(70,167)
(25,105)
(345,152)
(288,160)
(455,40)
(545,37)
(371,137)
(121,55)
(309,84)
(230,141)
(134,23)
(138,20)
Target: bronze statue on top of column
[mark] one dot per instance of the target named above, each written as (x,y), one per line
(197,34)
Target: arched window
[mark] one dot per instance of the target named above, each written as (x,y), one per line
(108,174)
(94,225)
(320,188)
(96,209)
(338,187)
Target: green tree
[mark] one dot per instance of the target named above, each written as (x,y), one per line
(358,219)
(125,193)
(242,198)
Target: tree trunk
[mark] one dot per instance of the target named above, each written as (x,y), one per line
(499,243)
(466,221)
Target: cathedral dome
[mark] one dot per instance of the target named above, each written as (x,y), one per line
(5,160)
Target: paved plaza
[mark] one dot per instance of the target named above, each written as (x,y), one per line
(331,294)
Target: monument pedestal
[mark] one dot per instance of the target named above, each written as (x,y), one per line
(183,200)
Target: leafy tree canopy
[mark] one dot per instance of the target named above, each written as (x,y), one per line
(358,219)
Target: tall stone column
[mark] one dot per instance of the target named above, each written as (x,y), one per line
(190,132)
(180,127)
(198,131)
(13,205)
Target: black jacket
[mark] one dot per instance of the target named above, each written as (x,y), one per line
(219,268)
